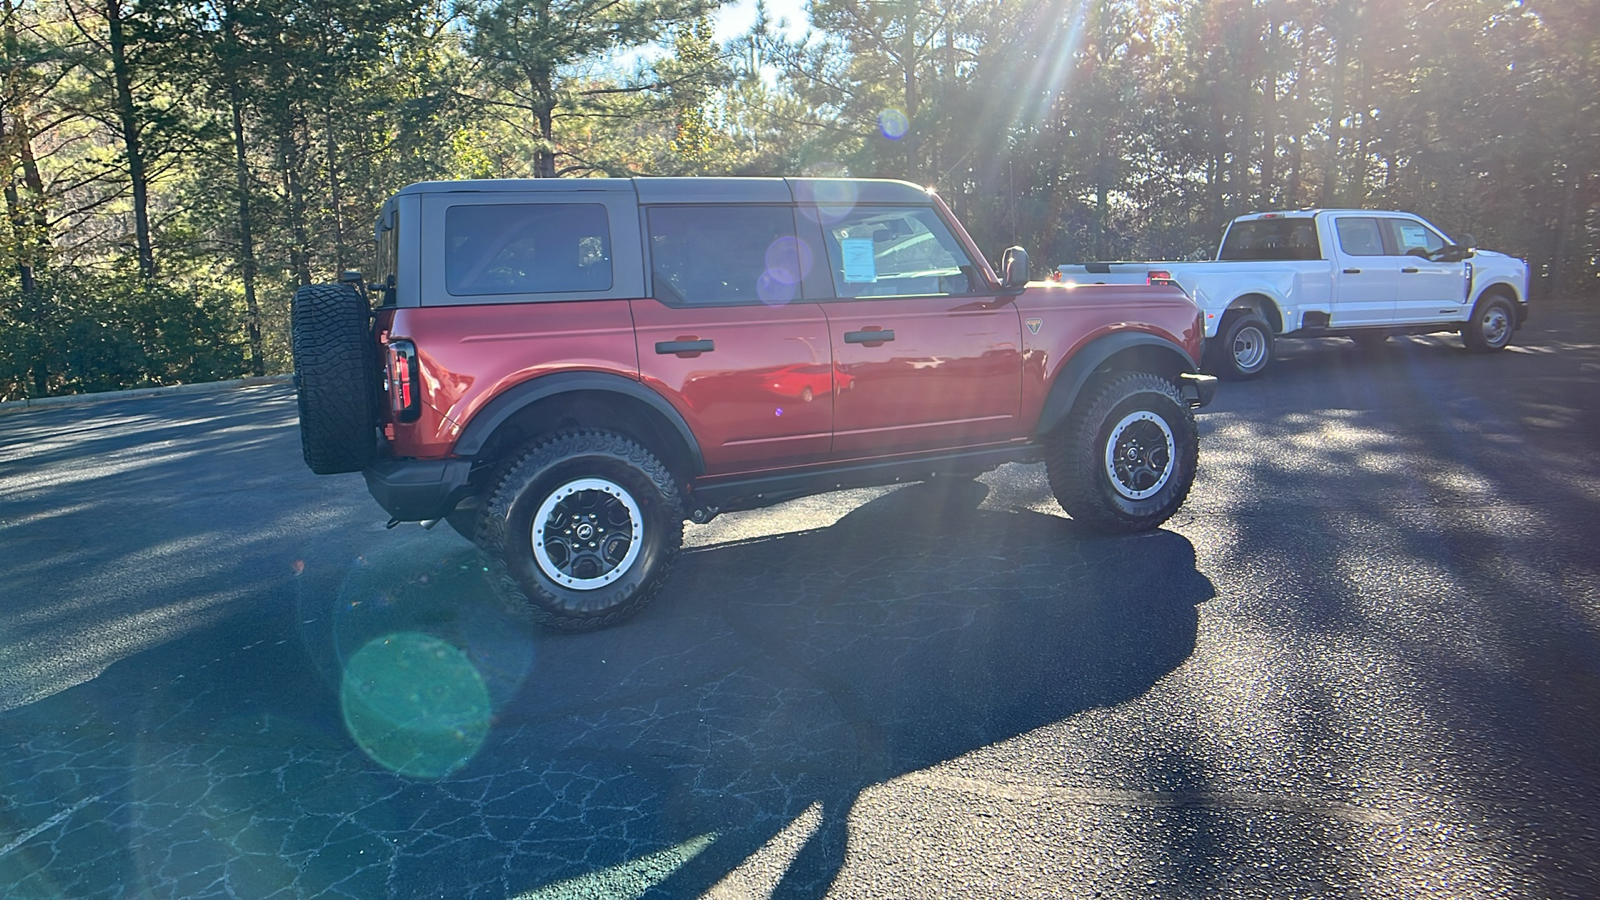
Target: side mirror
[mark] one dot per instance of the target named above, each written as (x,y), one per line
(1467,242)
(1014,267)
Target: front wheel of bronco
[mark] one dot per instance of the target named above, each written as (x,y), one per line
(1124,461)
(582,530)
(336,378)
(1491,326)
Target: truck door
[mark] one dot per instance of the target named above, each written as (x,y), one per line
(727,339)
(1426,291)
(1365,275)
(924,356)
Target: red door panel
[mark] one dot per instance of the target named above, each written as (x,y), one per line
(950,377)
(759,395)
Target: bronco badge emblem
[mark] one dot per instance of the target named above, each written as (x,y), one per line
(1033,325)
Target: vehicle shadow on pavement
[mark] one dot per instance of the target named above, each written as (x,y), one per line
(773,681)
(785,674)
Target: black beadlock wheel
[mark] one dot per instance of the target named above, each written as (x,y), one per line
(1125,459)
(1491,326)
(1242,347)
(336,378)
(581,530)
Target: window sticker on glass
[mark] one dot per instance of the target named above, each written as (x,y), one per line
(1413,235)
(859,265)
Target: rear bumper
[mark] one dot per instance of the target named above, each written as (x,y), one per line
(1198,389)
(418,490)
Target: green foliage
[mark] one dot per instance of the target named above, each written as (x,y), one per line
(527,53)
(271,131)
(79,332)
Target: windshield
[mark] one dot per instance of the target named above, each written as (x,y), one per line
(1271,239)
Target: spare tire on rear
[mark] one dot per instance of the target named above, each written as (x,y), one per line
(336,377)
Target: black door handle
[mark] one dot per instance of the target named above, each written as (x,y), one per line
(1410,270)
(1352,271)
(665,347)
(869,337)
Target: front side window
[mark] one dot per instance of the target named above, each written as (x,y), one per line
(1359,236)
(894,252)
(527,248)
(725,255)
(1412,238)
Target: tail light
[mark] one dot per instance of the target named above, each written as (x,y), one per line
(404,381)
(1158,276)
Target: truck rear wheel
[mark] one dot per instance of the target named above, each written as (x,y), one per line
(1242,348)
(582,530)
(1125,459)
(336,378)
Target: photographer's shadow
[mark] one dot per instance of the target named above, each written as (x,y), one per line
(914,630)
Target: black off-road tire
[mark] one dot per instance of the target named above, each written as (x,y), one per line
(1492,324)
(1125,459)
(1242,349)
(336,378)
(548,569)
(464,519)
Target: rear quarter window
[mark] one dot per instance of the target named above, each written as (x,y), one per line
(1270,239)
(543,248)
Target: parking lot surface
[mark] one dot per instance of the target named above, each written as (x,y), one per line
(1363,661)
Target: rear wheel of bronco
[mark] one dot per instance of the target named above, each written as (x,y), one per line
(1125,459)
(1491,326)
(336,378)
(582,530)
(1242,348)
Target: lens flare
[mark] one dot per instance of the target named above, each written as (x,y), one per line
(788,260)
(835,199)
(893,124)
(415,704)
(773,291)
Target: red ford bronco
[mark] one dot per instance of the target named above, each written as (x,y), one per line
(566,370)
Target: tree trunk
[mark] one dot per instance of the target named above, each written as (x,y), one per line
(1330,174)
(1269,119)
(16,215)
(340,256)
(545,161)
(1358,178)
(908,64)
(127,118)
(247,246)
(294,194)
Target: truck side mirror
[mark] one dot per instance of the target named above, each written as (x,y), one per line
(1014,267)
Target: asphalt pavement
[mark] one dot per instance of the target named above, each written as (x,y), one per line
(1363,661)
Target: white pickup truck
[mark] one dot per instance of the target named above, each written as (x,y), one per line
(1361,274)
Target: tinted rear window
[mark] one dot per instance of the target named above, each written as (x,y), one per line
(1272,239)
(545,248)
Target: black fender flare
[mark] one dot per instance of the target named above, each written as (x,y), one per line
(1075,374)
(514,399)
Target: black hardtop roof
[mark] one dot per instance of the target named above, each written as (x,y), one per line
(699,190)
